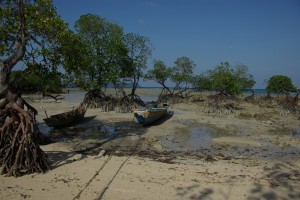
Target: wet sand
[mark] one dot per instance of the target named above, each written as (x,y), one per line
(253,153)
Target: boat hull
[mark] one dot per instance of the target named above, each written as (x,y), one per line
(66,119)
(149,116)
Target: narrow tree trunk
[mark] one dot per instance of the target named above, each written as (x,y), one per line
(134,86)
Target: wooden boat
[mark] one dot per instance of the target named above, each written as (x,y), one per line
(150,114)
(67,118)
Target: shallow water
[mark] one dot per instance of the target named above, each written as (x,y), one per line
(44,128)
(189,138)
(193,137)
(295,133)
(110,131)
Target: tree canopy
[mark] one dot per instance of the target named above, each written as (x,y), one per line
(107,59)
(160,73)
(139,50)
(49,44)
(280,84)
(202,82)
(182,72)
(37,82)
(225,79)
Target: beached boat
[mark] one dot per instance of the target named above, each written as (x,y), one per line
(150,114)
(67,118)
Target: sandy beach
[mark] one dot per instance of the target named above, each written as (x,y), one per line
(253,153)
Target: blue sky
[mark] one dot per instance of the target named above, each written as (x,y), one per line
(262,34)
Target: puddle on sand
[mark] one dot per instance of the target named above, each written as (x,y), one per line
(44,128)
(100,131)
(110,131)
(295,133)
(186,138)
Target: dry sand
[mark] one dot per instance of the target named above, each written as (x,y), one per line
(250,154)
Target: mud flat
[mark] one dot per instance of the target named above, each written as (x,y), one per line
(253,153)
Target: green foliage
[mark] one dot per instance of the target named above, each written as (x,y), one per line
(106,59)
(139,49)
(226,79)
(30,83)
(35,82)
(245,80)
(182,71)
(202,82)
(181,74)
(160,73)
(50,45)
(280,84)
(223,79)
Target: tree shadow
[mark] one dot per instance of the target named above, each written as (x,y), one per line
(282,183)
(278,182)
(88,138)
(204,194)
(85,120)
(60,158)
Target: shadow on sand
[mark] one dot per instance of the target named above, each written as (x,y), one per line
(279,182)
(88,137)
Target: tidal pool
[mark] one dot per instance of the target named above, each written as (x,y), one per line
(295,133)
(189,138)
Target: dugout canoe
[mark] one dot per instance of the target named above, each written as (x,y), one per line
(67,118)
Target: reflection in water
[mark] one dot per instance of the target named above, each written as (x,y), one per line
(295,133)
(109,130)
(44,129)
(99,131)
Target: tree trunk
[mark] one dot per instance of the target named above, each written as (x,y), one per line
(19,136)
(119,88)
(134,86)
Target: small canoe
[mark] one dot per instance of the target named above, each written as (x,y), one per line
(151,114)
(67,118)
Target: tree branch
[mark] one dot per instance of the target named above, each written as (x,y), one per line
(20,42)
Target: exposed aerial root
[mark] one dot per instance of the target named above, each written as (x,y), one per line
(97,99)
(19,144)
